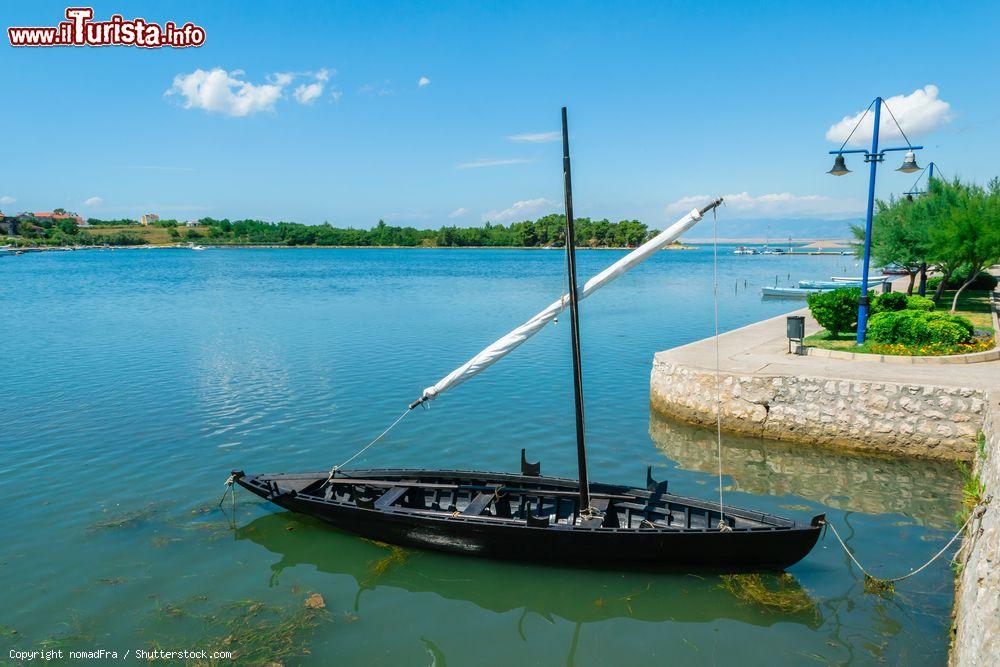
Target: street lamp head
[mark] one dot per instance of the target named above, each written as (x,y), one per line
(909,165)
(839,167)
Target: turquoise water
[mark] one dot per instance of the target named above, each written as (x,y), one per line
(134,380)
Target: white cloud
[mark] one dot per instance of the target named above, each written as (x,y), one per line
(458,213)
(336,95)
(423,81)
(7,199)
(520,210)
(774,205)
(477,164)
(535,138)
(93,201)
(920,112)
(308,93)
(381,90)
(223,92)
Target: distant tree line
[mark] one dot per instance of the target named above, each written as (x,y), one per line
(546,231)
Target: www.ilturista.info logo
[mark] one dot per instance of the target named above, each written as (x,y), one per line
(80,30)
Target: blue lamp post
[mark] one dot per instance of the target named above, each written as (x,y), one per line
(872,157)
(913,189)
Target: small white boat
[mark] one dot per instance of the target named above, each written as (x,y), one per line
(871,279)
(196,247)
(789,292)
(743,250)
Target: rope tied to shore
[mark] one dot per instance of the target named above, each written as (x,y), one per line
(875,584)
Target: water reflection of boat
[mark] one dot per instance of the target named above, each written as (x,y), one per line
(501,587)
(925,491)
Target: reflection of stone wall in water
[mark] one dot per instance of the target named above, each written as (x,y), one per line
(886,417)
(929,492)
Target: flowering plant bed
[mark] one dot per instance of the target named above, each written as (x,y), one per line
(983,340)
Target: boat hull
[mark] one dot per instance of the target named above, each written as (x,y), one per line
(761,548)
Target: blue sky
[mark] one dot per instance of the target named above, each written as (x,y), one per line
(667,101)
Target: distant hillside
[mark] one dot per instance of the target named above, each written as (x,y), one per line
(777,230)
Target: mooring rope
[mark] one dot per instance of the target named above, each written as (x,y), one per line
(723,526)
(334,469)
(881,582)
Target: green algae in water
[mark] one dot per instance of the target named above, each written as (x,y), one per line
(125,519)
(257,633)
(776,594)
(397,556)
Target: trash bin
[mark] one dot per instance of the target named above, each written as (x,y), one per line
(795,326)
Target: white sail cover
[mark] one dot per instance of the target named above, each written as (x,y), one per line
(504,346)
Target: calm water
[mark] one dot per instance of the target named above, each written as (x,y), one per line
(134,380)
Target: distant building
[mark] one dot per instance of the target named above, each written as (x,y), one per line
(8,224)
(149,219)
(192,223)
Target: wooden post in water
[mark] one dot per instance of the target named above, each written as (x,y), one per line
(574,322)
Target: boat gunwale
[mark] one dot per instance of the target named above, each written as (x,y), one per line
(773,522)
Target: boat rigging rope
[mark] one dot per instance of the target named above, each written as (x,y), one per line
(723,526)
(880,583)
(334,469)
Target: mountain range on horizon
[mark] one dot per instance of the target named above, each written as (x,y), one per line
(776,231)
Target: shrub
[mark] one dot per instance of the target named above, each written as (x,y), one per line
(983,281)
(919,327)
(835,310)
(919,303)
(888,302)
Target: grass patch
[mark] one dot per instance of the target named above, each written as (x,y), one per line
(151,234)
(779,593)
(973,304)
(973,492)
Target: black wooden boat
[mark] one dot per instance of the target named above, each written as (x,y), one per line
(530,517)
(535,518)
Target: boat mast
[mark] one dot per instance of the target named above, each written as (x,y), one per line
(574,323)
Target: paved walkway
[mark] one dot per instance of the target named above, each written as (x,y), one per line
(762,348)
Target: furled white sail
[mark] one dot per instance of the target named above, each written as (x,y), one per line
(504,346)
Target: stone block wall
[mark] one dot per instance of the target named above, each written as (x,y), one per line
(976,638)
(886,417)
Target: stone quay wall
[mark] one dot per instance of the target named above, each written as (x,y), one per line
(885,417)
(976,639)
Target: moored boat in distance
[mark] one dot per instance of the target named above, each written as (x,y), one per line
(789,292)
(871,279)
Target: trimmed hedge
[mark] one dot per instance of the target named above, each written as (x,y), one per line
(919,327)
(888,302)
(917,302)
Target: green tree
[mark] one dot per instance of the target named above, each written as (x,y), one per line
(968,236)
